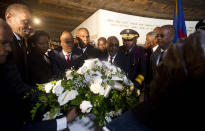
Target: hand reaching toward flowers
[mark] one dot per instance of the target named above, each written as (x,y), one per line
(71,115)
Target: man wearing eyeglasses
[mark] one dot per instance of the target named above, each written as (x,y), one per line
(135,62)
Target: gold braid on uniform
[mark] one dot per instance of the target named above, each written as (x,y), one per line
(128,36)
(139,79)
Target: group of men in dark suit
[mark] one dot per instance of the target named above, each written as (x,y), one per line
(14,74)
(19,69)
(176,97)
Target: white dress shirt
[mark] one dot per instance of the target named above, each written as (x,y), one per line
(84,49)
(157,62)
(65,55)
(113,58)
(154,48)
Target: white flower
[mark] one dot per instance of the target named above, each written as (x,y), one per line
(107,91)
(115,78)
(98,73)
(48,87)
(111,114)
(106,64)
(95,87)
(88,78)
(47,116)
(99,63)
(108,119)
(90,63)
(58,89)
(67,96)
(86,106)
(102,90)
(68,75)
(113,69)
(118,86)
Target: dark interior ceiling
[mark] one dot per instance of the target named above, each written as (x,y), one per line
(59,15)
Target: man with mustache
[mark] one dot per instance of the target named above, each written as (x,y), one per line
(67,56)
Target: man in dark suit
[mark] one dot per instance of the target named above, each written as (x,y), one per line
(18,17)
(165,38)
(102,46)
(113,56)
(67,56)
(176,101)
(12,84)
(88,50)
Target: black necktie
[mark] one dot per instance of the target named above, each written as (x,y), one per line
(161,56)
(111,58)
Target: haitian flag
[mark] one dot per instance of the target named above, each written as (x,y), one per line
(179,22)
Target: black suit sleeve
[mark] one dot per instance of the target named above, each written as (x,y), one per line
(50,125)
(54,65)
(12,74)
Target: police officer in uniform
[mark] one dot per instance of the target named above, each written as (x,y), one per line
(135,60)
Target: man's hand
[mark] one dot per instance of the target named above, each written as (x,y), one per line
(71,115)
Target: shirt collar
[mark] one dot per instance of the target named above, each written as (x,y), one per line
(64,53)
(154,48)
(113,56)
(17,37)
(84,49)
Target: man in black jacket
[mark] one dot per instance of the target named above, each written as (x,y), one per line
(88,50)
(135,60)
(113,56)
(18,16)
(66,56)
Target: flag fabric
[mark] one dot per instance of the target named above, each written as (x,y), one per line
(179,22)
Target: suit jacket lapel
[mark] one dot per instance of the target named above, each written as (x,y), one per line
(64,64)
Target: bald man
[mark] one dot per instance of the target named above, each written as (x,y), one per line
(88,50)
(67,56)
(18,16)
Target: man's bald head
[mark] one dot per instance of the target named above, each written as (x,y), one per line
(18,16)
(16,8)
(66,34)
(67,41)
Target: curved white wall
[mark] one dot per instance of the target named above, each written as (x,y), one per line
(105,23)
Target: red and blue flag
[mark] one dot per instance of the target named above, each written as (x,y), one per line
(179,22)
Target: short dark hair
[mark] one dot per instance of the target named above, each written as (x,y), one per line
(102,39)
(171,29)
(109,39)
(37,34)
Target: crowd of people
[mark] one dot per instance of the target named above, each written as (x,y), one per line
(168,76)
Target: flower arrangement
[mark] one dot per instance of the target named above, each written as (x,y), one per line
(97,87)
